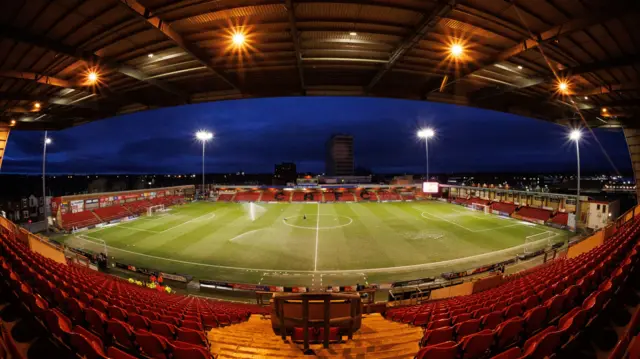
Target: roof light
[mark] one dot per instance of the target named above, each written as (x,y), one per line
(238,39)
(204,135)
(92,77)
(456,50)
(150,55)
(575,135)
(426,133)
(36,105)
(586,97)
(353,33)
(519,67)
(13,122)
(604,109)
(563,86)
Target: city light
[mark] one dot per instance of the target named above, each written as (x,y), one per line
(238,39)
(575,135)
(204,135)
(426,133)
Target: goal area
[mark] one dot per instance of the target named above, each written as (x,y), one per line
(538,241)
(153,209)
(481,207)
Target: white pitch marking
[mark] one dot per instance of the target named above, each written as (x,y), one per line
(315,262)
(244,234)
(211,215)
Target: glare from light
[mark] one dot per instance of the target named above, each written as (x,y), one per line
(36,105)
(353,33)
(575,135)
(586,97)
(13,122)
(426,133)
(238,39)
(47,141)
(204,135)
(92,77)
(519,67)
(563,86)
(456,50)
(150,55)
(604,109)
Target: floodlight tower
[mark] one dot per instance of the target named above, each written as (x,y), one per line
(46,141)
(203,136)
(575,136)
(427,133)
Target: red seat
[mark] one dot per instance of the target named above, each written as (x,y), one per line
(555,306)
(186,351)
(96,321)
(169,319)
(461,318)
(572,292)
(76,310)
(210,321)
(190,324)
(152,345)
(191,336)
(446,350)
(149,314)
(513,353)
(86,344)
(542,344)
(535,319)
(58,324)
(166,330)
(137,321)
(509,332)
(468,327)
(223,319)
(530,302)
(573,321)
(480,312)
(117,313)
(122,333)
(477,345)
(514,310)
(99,305)
(491,320)
(435,324)
(437,336)
(115,353)
(421,319)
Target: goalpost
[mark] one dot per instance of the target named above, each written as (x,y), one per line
(538,240)
(153,209)
(481,207)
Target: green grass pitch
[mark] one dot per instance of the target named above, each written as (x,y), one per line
(337,244)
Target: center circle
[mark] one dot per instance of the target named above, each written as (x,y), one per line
(311,221)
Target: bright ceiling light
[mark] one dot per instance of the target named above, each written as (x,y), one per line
(13,122)
(586,97)
(150,55)
(426,133)
(519,67)
(604,109)
(456,50)
(353,33)
(563,86)
(92,77)
(575,135)
(238,39)
(36,105)
(204,135)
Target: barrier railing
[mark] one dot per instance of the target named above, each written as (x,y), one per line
(326,322)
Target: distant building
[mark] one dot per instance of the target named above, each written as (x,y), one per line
(339,161)
(285,172)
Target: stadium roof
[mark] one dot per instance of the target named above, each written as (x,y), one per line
(495,54)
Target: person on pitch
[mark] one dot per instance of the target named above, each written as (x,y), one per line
(304,216)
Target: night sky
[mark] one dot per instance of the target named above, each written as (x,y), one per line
(253,135)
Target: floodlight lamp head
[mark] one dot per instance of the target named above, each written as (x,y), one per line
(426,133)
(575,135)
(204,135)
(47,141)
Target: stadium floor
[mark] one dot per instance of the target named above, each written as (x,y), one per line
(311,244)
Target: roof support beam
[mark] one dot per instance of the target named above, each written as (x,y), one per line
(90,58)
(296,42)
(195,51)
(629,86)
(39,78)
(566,73)
(60,101)
(551,35)
(442,9)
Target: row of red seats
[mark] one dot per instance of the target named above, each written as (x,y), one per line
(561,218)
(388,196)
(110,213)
(79,220)
(534,213)
(115,312)
(249,196)
(225,197)
(471,332)
(503,207)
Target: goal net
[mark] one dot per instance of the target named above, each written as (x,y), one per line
(538,241)
(153,209)
(481,207)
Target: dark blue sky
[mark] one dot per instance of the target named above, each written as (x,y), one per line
(253,135)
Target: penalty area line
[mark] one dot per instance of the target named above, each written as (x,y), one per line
(315,261)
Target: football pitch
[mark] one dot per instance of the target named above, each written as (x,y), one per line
(311,244)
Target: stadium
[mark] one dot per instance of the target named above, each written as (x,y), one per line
(322,266)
